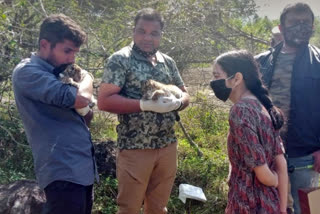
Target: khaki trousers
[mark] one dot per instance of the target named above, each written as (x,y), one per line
(145,176)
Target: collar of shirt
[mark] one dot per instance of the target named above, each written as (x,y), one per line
(41,62)
(159,56)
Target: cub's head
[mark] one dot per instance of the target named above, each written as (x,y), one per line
(73,71)
(153,90)
(147,88)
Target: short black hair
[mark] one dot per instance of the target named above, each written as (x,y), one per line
(296,8)
(150,15)
(58,27)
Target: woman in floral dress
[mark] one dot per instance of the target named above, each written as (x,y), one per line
(258,177)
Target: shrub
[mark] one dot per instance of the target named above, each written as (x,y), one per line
(105,195)
(207,125)
(15,154)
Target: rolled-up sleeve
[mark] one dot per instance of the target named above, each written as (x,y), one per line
(177,80)
(115,72)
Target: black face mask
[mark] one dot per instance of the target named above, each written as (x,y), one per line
(220,89)
(298,35)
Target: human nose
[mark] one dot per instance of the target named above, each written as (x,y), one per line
(148,36)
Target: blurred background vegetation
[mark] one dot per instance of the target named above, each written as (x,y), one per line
(196,31)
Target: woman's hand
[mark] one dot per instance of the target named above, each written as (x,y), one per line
(266,176)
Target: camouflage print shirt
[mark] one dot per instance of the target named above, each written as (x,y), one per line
(143,130)
(281,86)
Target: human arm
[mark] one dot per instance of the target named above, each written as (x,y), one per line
(245,129)
(266,176)
(109,100)
(281,169)
(42,86)
(114,79)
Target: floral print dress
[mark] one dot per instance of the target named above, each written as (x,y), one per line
(252,142)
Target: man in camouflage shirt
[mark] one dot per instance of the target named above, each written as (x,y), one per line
(147,156)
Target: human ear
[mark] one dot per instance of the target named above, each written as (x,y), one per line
(238,77)
(44,44)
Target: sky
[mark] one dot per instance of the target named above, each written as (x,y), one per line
(273,8)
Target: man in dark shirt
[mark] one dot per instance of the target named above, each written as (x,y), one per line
(291,71)
(58,136)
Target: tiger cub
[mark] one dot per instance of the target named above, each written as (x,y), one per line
(73,75)
(153,90)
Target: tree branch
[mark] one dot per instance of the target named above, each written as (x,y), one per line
(42,7)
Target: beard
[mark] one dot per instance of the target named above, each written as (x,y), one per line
(58,68)
(297,35)
(52,60)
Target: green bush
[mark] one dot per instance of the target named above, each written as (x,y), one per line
(15,154)
(103,126)
(105,195)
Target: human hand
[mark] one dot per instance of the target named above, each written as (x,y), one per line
(316,164)
(88,117)
(162,105)
(85,110)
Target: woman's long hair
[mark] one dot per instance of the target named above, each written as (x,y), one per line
(243,61)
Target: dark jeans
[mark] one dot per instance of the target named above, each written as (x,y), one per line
(64,197)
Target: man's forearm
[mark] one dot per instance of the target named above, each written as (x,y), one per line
(118,104)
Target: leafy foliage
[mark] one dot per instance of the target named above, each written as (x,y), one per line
(316,36)
(15,155)
(105,194)
(195,33)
